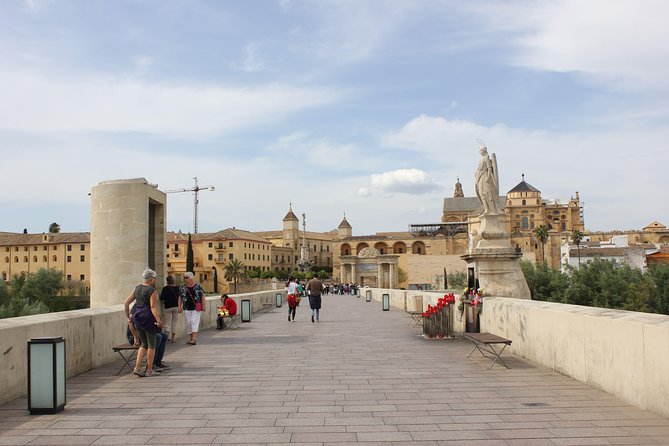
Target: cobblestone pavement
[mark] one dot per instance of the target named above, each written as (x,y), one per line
(360,375)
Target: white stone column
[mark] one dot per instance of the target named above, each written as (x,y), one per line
(341,273)
(379,275)
(392,275)
(127,236)
(353,272)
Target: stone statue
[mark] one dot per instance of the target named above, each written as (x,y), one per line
(487,183)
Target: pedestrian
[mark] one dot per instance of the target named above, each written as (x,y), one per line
(161,343)
(193,305)
(291,291)
(146,320)
(170,296)
(314,290)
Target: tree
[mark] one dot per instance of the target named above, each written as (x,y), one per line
(215,279)
(54,228)
(190,264)
(541,233)
(402,276)
(234,270)
(42,285)
(577,237)
(457,279)
(323,275)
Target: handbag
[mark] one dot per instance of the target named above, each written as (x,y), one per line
(198,305)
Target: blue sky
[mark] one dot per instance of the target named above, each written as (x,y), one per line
(369,108)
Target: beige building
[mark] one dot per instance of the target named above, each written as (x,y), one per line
(213,251)
(27,253)
(286,245)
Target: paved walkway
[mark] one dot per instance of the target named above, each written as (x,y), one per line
(360,375)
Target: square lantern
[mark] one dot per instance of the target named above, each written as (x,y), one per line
(46,375)
(279,299)
(385,301)
(246,310)
(368,296)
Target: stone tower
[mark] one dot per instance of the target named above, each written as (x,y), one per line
(291,229)
(344,229)
(458,190)
(127,236)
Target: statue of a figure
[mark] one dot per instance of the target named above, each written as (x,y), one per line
(487,183)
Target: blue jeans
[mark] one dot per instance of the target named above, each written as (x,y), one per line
(161,343)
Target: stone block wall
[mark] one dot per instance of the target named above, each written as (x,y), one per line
(624,353)
(89,337)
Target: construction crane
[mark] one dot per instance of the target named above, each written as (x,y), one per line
(196,190)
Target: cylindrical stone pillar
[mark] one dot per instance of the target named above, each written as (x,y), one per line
(127,235)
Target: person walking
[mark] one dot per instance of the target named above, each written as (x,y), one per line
(170,296)
(193,304)
(146,320)
(291,291)
(314,290)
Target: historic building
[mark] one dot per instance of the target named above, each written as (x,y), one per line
(213,251)
(68,252)
(286,244)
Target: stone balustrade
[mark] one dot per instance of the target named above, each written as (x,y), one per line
(89,337)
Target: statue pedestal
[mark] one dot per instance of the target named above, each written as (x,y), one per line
(496,261)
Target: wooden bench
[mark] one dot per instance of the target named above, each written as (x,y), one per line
(123,350)
(485,342)
(416,318)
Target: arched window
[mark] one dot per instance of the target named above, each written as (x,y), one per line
(345,249)
(4,275)
(44,259)
(525,223)
(34,258)
(524,202)
(381,247)
(6,259)
(55,259)
(360,247)
(399,248)
(16,260)
(418,248)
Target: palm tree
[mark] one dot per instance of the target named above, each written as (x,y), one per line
(577,237)
(54,228)
(541,232)
(234,271)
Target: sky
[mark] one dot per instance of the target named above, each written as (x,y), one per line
(370,109)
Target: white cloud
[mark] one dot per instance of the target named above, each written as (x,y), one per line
(252,61)
(614,171)
(617,42)
(407,181)
(33,103)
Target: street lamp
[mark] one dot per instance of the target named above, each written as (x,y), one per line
(46,375)
(246,310)
(385,299)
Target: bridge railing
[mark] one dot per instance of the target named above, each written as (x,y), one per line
(89,337)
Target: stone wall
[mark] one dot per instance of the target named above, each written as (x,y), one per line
(623,353)
(89,337)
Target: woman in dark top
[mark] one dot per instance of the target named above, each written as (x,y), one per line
(146,319)
(170,296)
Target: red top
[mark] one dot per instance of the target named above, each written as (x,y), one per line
(231,305)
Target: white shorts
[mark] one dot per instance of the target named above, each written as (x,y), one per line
(192,320)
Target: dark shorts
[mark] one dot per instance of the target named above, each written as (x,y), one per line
(315,302)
